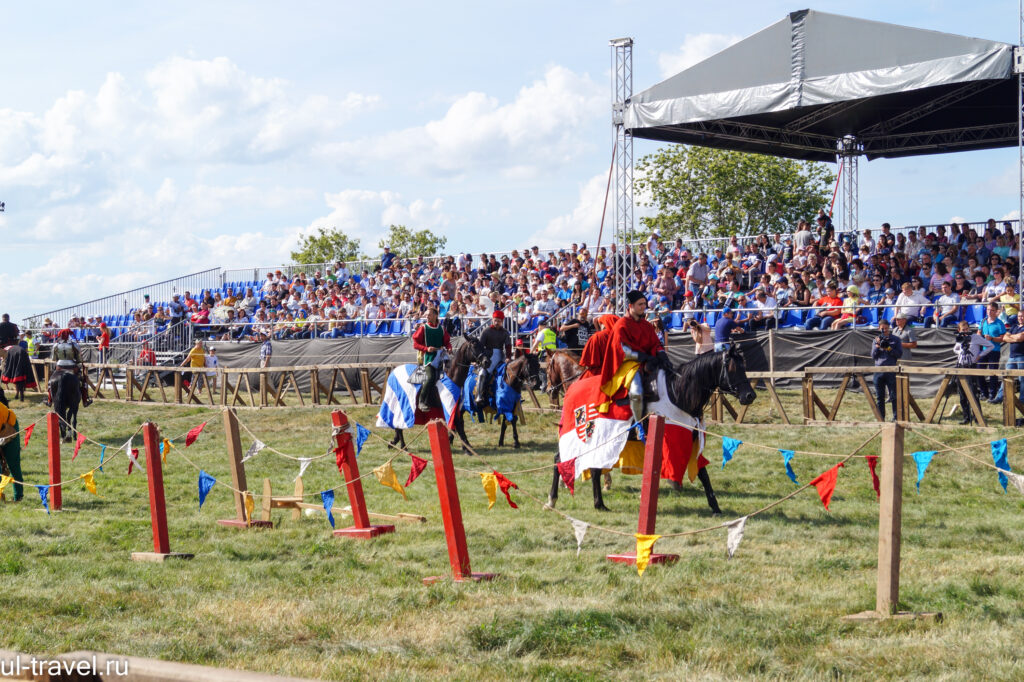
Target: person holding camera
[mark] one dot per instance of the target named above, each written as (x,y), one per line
(885,351)
(968,348)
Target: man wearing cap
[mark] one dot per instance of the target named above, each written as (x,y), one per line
(387,258)
(497,345)
(544,339)
(428,339)
(633,338)
(725,328)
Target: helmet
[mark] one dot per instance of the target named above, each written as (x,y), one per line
(498,315)
(64,334)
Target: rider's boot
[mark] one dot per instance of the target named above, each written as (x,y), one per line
(86,400)
(636,405)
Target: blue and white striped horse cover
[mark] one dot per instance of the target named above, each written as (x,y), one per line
(398,409)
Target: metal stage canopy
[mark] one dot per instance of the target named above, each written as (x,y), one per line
(806,84)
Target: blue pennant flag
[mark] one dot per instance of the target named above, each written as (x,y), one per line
(787,457)
(729,446)
(923,459)
(362,433)
(206,482)
(103,453)
(44,495)
(328,498)
(999,457)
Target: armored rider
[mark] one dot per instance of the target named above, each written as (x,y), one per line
(428,339)
(633,338)
(69,358)
(497,344)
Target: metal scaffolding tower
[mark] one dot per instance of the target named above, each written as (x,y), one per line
(849,149)
(622,90)
(1018,68)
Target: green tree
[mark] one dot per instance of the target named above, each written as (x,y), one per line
(406,243)
(326,246)
(705,192)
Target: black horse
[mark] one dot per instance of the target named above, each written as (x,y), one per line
(66,393)
(517,372)
(690,387)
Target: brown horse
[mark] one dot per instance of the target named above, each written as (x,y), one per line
(563,370)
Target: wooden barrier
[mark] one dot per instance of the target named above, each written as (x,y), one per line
(360,527)
(649,492)
(157,505)
(53,449)
(238,480)
(451,509)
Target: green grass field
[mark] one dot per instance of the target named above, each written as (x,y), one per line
(295,600)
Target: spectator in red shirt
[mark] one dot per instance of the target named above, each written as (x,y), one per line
(104,345)
(827,309)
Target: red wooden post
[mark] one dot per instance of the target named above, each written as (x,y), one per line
(350,469)
(451,510)
(649,491)
(53,442)
(157,506)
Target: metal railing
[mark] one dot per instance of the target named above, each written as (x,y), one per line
(125,302)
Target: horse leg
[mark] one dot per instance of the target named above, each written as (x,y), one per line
(501,436)
(398,434)
(555,479)
(515,433)
(595,481)
(607,480)
(709,492)
(460,428)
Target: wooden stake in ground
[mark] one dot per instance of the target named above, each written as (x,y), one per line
(157,506)
(238,480)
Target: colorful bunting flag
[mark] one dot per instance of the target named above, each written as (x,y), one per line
(644,546)
(923,459)
(729,446)
(44,496)
(386,476)
(191,436)
(567,470)
(250,506)
(327,496)
(580,529)
(418,465)
(206,482)
(826,484)
(787,457)
(78,445)
(165,446)
(253,450)
(304,463)
(490,483)
(28,433)
(505,485)
(872,463)
(133,459)
(4,482)
(90,483)
(999,457)
(1016,479)
(103,453)
(341,454)
(362,433)
(735,528)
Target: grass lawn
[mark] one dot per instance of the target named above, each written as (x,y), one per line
(297,601)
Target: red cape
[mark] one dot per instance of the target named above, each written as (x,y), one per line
(640,336)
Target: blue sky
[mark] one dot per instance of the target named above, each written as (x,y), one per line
(139,141)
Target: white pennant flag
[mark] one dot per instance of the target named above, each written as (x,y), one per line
(303,465)
(253,450)
(128,451)
(735,534)
(338,429)
(580,529)
(1016,479)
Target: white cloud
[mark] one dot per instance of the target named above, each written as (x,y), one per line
(696,48)
(584,222)
(541,127)
(366,214)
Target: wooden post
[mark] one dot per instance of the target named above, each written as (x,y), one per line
(53,445)
(157,506)
(771,356)
(177,387)
(263,388)
(350,468)
(238,482)
(451,510)
(1009,408)
(649,492)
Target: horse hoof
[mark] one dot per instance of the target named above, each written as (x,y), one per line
(551,504)
(516,446)
(601,507)
(716,512)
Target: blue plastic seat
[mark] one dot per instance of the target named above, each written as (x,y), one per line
(675,321)
(794,318)
(974,314)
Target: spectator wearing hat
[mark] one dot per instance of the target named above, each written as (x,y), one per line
(725,329)
(849,315)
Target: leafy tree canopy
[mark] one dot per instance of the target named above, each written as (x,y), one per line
(326,246)
(705,192)
(406,243)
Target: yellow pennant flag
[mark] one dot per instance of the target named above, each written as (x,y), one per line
(644,545)
(4,482)
(250,506)
(90,483)
(163,451)
(386,475)
(490,482)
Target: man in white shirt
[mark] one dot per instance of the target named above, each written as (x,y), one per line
(946,310)
(763,316)
(910,303)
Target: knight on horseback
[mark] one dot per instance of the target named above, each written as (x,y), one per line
(497,346)
(634,357)
(69,359)
(429,340)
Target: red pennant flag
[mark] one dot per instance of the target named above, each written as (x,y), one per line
(78,446)
(341,451)
(872,463)
(826,484)
(567,470)
(505,484)
(191,436)
(28,433)
(131,460)
(418,465)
